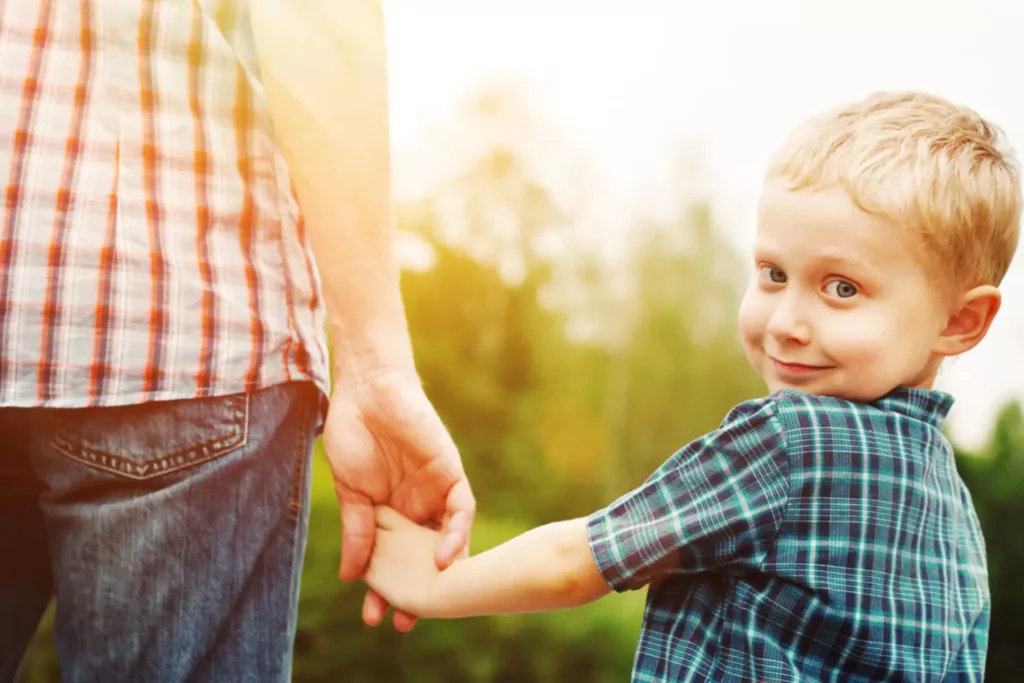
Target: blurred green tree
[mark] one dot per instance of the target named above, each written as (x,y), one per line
(566,375)
(995,478)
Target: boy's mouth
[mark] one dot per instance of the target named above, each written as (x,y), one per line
(796,369)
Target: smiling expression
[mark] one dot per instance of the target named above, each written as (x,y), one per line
(841,302)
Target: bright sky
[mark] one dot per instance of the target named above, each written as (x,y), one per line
(627,82)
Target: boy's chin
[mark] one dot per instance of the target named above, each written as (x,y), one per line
(820,388)
(858,394)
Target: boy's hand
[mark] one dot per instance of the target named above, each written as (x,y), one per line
(402,568)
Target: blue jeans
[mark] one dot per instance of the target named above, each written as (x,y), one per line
(171,535)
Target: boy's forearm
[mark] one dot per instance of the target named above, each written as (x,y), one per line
(547,568)
(323,67)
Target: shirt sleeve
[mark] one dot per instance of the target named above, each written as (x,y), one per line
(719,501)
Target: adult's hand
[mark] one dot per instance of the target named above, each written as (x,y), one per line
(384,441)
(387,446)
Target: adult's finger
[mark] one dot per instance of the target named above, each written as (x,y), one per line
(461,511)
(358,530)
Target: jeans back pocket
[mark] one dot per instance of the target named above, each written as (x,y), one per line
(152,439)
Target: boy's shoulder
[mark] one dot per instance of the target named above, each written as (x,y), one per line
(789,405)
(798,417)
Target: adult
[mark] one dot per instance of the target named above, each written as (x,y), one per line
(194,191)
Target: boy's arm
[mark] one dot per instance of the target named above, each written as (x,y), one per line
(717,502)
(547,568)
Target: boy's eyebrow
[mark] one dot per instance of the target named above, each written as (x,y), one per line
(836,260)
(843,261)
(764,251)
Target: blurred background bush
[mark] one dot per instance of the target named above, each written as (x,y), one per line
(572,340)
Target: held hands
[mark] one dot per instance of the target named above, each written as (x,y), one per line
(402,570)
(387,446)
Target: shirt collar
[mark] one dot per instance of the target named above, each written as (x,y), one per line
(925,405)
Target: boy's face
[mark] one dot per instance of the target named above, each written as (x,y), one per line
(840,302)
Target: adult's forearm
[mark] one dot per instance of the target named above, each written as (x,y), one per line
(324,69)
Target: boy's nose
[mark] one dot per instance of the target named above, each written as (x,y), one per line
(787,322)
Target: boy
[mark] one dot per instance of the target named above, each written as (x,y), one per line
(822,532)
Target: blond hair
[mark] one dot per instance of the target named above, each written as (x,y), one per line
(920,161)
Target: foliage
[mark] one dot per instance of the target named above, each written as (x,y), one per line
(553,422)
(995,479)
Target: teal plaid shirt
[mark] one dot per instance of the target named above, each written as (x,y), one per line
(808,538)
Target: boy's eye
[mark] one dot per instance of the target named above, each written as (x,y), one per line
(772,274)
(841,289)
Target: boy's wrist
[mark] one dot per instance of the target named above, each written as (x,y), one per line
(439,600)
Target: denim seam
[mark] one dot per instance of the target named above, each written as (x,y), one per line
(183,458)
(299,530)
(298,467)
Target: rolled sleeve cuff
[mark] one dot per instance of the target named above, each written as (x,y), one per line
(607,554)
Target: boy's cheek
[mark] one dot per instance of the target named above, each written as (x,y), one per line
(751,328)
(861,340)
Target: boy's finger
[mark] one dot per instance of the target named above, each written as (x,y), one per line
(404,622)
(387,518)
(374,608)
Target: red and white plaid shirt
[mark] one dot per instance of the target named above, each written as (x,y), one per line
(150,244)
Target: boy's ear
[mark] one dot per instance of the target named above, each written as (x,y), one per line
(969,324)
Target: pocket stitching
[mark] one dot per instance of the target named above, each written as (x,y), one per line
(114,464)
